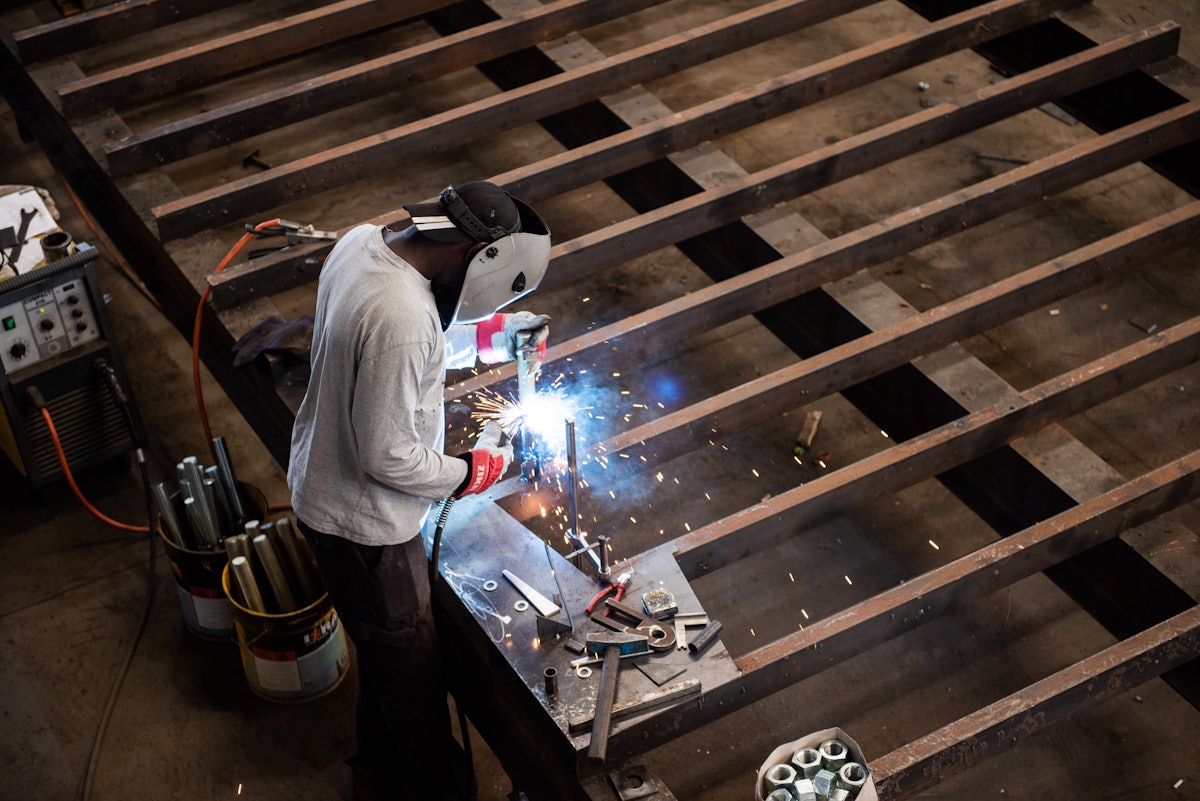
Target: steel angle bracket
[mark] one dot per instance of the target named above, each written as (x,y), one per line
(544,606)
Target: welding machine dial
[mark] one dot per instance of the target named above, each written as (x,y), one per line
(46,324)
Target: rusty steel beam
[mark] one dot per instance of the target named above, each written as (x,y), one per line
(106,24)
(949,751)
(642,144)
(201,64)
(788,92)
(353,161)
(705,211)
(844,366)
(765,286)
(874,621)
(779,517)
(1001,564)
(276,109)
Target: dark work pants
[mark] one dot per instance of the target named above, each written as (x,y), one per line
(381,594)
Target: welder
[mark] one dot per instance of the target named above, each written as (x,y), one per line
(395,309)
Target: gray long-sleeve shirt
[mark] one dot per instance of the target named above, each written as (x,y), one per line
(366,456)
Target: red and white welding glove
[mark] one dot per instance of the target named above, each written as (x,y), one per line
(497,336)
(486,462)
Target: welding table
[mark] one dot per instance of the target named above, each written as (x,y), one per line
(496,664)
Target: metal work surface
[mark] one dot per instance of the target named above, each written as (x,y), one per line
(965,233)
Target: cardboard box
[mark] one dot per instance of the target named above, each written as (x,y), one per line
(784,754)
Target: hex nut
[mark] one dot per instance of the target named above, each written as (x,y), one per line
(851,777)
(779,776)
(840,794)
(834,754)
(804,790)
(823,782)
(807,761)
(779,795)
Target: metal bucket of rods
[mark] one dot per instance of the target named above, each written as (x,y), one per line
(197,568)
(292,644)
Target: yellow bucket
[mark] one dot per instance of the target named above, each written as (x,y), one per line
(292,657)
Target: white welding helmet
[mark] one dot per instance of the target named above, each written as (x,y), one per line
(513,260)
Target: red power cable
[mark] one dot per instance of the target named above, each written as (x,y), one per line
(196,329)
(62,460)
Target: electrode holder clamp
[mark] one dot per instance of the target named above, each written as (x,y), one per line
(294,231)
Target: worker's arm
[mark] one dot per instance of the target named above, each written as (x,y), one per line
(461,347)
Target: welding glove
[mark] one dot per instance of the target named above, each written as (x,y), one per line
(486,462)
(496,337)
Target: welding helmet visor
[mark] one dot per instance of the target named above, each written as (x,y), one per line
(512,260)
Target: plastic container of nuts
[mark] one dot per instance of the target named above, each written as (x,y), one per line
(823,766)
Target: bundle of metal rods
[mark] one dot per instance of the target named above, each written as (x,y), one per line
(273,572)
(210,504)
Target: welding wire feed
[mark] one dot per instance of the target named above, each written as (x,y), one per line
(244,576)
(276,580)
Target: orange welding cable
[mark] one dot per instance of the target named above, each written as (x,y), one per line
(208,437)
(62,460)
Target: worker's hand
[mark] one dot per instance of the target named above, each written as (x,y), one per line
(497,337)
(487,461)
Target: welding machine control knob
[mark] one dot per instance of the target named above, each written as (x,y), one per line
(46,325)
(18,350)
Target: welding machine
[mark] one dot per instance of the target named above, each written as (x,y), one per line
(55,336)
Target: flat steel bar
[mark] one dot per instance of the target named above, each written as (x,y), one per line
(853,630)
(353,161)
(835,369)
(806,270)
(108,23)
(276,109)
(201,64)
(779,517)
(645,143)
(862,626)
(949,751)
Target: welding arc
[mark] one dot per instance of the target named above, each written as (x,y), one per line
(233,251)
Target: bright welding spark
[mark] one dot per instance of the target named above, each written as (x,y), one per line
(848,581)
(935,545)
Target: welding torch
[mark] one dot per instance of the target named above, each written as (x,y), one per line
(529,364)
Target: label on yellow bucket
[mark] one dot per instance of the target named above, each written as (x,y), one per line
(315,663)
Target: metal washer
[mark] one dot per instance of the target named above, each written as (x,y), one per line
(521,605)
(490,586)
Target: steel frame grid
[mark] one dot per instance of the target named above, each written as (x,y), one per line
(111,162)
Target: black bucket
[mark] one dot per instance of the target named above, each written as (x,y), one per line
(205,608)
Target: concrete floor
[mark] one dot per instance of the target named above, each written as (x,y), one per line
(185,725)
